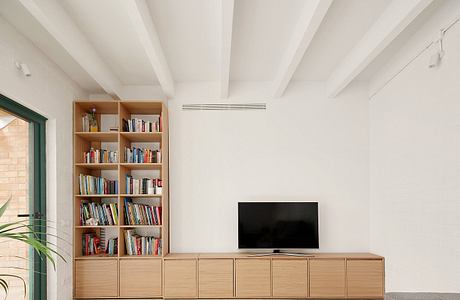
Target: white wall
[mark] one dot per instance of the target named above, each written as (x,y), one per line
(304,147)
(49,92)
(415,165)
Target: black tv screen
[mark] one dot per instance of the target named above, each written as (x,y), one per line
(278,225)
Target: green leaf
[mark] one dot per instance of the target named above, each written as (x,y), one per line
(4,207)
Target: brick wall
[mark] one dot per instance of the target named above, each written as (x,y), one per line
(14,182)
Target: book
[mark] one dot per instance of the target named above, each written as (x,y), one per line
(100,156)
(92,185)
(138,155)
(139,125)
(141,214)
(141,245)
(112,247)
(95,214)
(90,244)
(145,186)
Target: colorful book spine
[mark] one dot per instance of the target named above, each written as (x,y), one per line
(95,156)
(141,214)
(92,185)
(138,155)
(139,125)
(94,214)
(142,245)
(144,186)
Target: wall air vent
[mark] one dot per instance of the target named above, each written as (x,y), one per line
(225,106)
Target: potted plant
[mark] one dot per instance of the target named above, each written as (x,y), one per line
(24,232)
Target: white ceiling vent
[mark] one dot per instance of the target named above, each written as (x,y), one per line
(225,106)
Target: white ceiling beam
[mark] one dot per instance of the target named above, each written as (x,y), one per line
(309,21)
(394,19)
(226,13)
(138,12)
(57,22)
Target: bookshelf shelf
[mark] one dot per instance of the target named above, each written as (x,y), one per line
(98,166)
(113,113)
(97,196)
(141,195)
(98,136)
(142,136)
(142,166)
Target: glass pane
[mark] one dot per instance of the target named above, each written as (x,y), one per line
(14,183)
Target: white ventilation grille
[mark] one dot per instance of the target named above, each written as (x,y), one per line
(224,106)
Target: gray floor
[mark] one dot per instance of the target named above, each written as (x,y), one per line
(422,296)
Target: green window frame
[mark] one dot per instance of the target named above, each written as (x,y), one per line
(37,130)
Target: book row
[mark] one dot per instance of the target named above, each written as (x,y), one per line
(147,186)
(141,245)
(138,155)
(92,245)
(94,214)
(139,125)
(100,156)
(92,185)
(141,214)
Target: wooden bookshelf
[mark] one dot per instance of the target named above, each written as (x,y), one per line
(89,269)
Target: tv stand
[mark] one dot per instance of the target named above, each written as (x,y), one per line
(278,252)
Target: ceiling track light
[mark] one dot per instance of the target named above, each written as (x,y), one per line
(23,68)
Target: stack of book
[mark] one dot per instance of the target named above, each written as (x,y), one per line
(94,214)
(100,156)
(147,186)
(138,155)
(91,244)
(139,125)
(91,185)
(141,214)
(112,246)
(141,245)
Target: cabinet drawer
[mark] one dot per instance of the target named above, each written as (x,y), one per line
(327,278)
(96,278)
(140,278)
(215,278)
(365,278)
(289,278)
(253,278)
(180,277)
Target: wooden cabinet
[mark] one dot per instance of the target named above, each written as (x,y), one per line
(215,278)
(96,278)
(140,277)
(253,278)
(180,277)
(365,278)
(290,278)
(327,278)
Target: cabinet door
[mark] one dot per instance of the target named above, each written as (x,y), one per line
(253,278)
(140,278)
(215,278)
(180,278)
(289,278)
(327,278)
(365,278)
(96,278)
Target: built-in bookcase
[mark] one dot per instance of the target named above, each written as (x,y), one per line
(120,271)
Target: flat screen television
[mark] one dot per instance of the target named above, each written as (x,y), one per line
(278,225)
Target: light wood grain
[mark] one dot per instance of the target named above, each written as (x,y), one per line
(327,278)
(365,278)
(253,278)
(96,278)
(290,278)
(140,278)
(215,278)
(180,278)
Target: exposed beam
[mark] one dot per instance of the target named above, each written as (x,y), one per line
(138,12)
(226,12)
(58,23)
(395,18)
(309,21)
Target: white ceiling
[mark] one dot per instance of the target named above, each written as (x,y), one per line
(189,32)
